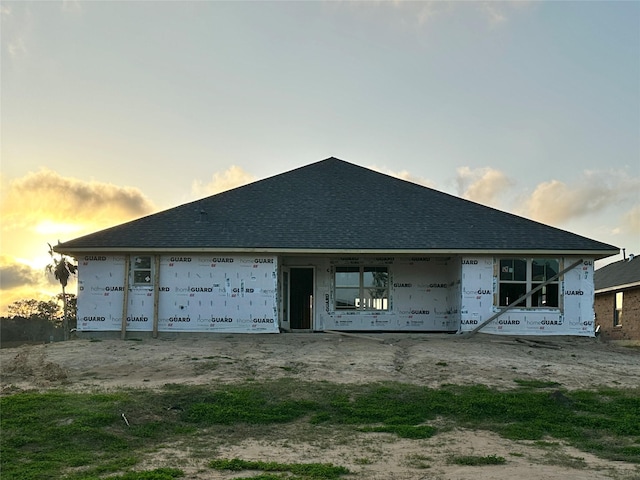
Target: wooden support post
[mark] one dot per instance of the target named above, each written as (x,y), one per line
(125,297)
(156,292)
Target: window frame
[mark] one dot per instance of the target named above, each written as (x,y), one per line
(550,293)
(137,270)
(618,302)
(362,302)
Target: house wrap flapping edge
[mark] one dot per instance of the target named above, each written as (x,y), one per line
(334,246)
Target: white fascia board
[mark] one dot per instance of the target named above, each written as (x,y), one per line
(615,288)
(319,251)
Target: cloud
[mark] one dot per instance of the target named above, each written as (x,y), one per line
(555,202)
(404,175)
(73,6)
(426,12)
(482,185)
(14,274)
(232,177)
(20,281)
(17,28)
(47,198)
(631,220)
(494,12)
(423,12)
(16,47)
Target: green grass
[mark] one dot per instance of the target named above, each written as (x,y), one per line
(157,474)
(535,383)
(404,431)
(418,461)
(475,460)
(324,471)
(65,435)
(564,460)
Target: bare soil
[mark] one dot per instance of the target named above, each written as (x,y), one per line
(432,360)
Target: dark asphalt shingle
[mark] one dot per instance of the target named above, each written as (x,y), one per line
(623,272)
(333,204)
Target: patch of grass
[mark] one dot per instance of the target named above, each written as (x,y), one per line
(564,460)
(246,405)
(306,470)
(476,460)
(268,476)
(545,444)
(48,435)
(44,434)
(204,367)
(157,474)
(404,431)
(287,368)
(418,461)
(392,404)
(535,383)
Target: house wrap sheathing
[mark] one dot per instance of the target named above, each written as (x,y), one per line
(335,246)
(243,294)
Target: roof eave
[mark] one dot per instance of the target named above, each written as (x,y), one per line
(615,288)
(596,254)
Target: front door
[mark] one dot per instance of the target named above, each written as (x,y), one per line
(300,298)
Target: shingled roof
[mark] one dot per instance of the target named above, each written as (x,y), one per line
(618,275)
(336,206)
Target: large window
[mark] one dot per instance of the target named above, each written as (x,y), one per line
(521,275)
(141,270)
(361,288)
(617,312)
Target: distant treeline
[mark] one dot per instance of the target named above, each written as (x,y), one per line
(35,321)
(18,330)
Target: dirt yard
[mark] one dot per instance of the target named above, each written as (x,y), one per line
(430,360)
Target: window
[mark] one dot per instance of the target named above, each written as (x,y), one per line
(521,275)
(617,313)
(361,288)
(141,270)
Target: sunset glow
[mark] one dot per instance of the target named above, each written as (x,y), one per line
(47,227)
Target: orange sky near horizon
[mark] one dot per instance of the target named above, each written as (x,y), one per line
(43,207)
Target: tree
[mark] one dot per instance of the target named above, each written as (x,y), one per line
(62,268)
(35,309)
(32,321)
(72,308)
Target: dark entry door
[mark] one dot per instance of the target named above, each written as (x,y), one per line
(301,298)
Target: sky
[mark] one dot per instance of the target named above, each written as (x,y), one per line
(115,110)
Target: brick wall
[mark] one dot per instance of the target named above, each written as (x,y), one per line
(604,308)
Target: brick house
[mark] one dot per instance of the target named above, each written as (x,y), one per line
(335,246)
(617,299)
